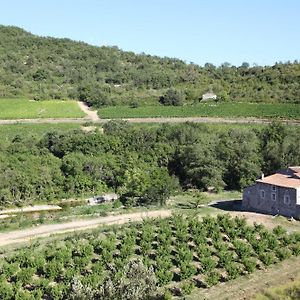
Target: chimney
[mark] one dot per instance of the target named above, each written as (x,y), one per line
(262,176)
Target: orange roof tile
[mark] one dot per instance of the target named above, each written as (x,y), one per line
(281,180)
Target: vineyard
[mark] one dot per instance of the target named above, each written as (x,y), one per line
(222,110)
(182,253)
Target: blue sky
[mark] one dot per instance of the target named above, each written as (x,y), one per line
(199,31)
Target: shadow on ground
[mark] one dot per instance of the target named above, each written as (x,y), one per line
(230,205)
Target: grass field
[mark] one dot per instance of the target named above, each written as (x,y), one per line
(289,291)
(8,132)
(256,286)
(28,109)
(226,110)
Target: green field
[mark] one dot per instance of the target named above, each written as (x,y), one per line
(226,110)
(181,252)
(29,109)
(8,132)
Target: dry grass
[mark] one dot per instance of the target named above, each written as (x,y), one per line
(248,287)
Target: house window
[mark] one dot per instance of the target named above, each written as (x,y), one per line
(262,194)
(274,188)
(273,196)
(287,200)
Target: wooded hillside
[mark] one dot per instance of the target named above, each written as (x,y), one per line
(45,68)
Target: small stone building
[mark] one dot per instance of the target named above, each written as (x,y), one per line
(275,194)
(208,96)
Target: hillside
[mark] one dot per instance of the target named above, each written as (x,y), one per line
(50,68)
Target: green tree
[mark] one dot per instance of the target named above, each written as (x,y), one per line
(172,97)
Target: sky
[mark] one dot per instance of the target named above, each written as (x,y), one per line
(216,31)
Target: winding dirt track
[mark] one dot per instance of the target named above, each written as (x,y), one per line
(26,235)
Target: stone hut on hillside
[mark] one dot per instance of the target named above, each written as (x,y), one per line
(208,96)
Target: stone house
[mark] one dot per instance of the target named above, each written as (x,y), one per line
(208,96)
(275,194)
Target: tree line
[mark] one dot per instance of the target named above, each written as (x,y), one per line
(50,68)
(145,165)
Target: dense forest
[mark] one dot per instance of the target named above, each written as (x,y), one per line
(144,164)
(50,68)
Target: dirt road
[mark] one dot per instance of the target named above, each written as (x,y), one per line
(25,235)
(149,120)
(91,114)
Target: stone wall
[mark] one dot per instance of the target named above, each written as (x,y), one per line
(269,199)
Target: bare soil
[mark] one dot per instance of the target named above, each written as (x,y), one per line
(26,235)
(91,114)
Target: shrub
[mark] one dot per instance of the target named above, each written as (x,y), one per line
(186,270)
(296,249)
(225,258)
(208,264)
(267,258)
(172,97)
(79,291)
(164,276)
(279,231)
(249,264)
(25,275)
(212,278)
(283,253)
(6,291)
(187,287)
(233,270)
(117,204)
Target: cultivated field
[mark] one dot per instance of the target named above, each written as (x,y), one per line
(28,109)
(184,252)
(224,110)
(25,130)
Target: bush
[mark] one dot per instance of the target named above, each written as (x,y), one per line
(117,204)
(283,253)
(249,264)
(136,283)
(186,270)
(6,291)
(187,287)
(172,97)
(233,270)
(267,258)
(212,278)
(208,264)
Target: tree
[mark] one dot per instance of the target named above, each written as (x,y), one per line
(238,149)
(172,97)
(272,147)
(136,283)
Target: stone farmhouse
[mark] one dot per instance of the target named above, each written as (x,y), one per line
(275,194)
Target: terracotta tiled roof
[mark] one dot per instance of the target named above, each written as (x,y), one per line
(282,180)
(295,169)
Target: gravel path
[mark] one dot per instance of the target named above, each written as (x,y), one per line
(26,235)
(95,119)
(91,114)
